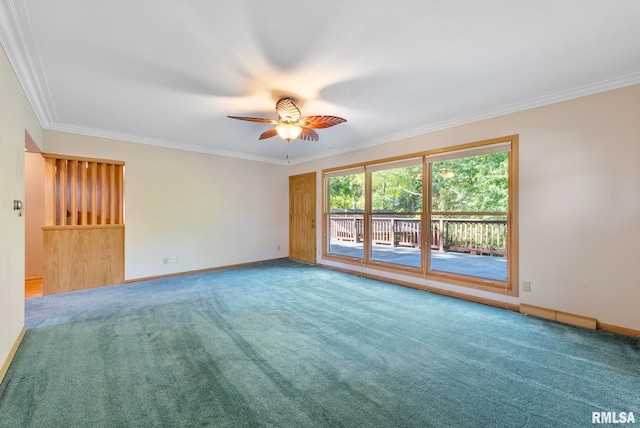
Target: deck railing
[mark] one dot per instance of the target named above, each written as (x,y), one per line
(472,236)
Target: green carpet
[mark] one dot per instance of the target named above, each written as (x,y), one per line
(289,345)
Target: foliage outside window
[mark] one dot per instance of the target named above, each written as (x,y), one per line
(347,206)
(446,214)
(347,193)
(477,183)
(470,200)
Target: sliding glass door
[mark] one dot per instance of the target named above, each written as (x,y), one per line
(396,213)
(468,214)
(448,215)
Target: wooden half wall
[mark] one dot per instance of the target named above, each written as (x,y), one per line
(80,257)
(84,223)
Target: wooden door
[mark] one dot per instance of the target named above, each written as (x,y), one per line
(302,217)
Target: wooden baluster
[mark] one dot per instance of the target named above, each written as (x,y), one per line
(475,236)
(120,193)
(392,232)
(434,233)
(112,194)
(463,241)
(72,167)
(373,230)
(62,188)
(467,230)
(93,173)
(457,227)
(505,247)
(486,237)
(476,246)
(354,232)
(50,205)
(102,173)
(493,237)
(83,192)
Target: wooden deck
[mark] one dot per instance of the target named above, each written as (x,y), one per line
(481,266)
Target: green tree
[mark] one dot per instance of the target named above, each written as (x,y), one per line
(346,192)
(397,189)
(472,184)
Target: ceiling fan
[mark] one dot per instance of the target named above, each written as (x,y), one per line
(290,125)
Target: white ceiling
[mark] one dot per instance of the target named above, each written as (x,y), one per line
(168,72)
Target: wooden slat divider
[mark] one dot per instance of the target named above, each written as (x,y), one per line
(84,223)
(83,192)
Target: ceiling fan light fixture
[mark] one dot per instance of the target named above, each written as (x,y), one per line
(291,125)
(288,131)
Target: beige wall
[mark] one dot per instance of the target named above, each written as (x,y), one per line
(206,210)
(33,213)
(579,200)
(579,204)
(16,116)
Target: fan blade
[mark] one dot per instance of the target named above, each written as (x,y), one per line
(287,110)
(319,122)
(254,119)
(308,134)
(268,134)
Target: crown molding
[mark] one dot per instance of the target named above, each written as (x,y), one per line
(23,56)
(566,94)
(101,133)
(577,91)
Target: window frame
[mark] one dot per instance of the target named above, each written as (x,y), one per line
(508,287)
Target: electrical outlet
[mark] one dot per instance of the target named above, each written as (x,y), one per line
(278,247)
(526,285)
(174,259)
(165,261)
